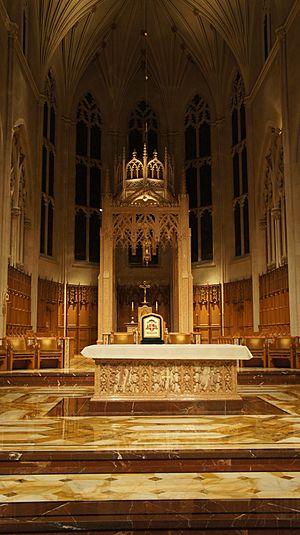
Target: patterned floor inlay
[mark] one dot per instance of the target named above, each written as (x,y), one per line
(37,420)
(161,486)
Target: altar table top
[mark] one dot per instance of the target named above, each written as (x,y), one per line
(167,352)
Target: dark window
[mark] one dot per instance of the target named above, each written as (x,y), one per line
(45,123)
(135,143)
(234,125)
(205,185)
(143,128)
(204,140)
(94,238)
(244,171)
(52,126)
(236,175)
(199,178)
(81,184)
(48,170)
(24,32)
(190,143)
(152,142)
(51,174)
(80,233)
(206,236)
(237,228)
(50,230)
(95,142)
(95,187)
(88,181)
(239,168)
(243,122)
(194,236)
(246,227)
(42,227)
(81,139)
(44,169)
(191,186)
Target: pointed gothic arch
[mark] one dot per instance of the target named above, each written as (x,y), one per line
(88,180)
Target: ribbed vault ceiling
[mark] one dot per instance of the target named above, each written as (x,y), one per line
(179,32)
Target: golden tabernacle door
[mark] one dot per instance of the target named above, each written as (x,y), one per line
(152,329)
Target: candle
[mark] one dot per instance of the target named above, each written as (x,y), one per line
(156,306)
(132,306)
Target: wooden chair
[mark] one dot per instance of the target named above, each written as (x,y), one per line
(3,354)
(180,338)
(20,353)
(122,338)
(280,349)
(297,352)
(258,349)
(49,350)
(225,340)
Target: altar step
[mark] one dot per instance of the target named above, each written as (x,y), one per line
(227,460)
(64,469)
(229,491)
(236,492)
(236,516)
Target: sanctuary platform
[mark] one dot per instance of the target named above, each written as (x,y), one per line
(66,469)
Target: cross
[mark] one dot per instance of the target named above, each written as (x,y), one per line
(145,285)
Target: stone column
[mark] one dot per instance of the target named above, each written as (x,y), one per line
(277,247)
(184,272)
(5,216)
(66,176)
(221,200)
(292,183)
(106,279)
(256,245)
(32,253)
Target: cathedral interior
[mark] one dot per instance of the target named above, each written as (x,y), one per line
(150,170)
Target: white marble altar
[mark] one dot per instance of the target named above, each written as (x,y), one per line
(166,372)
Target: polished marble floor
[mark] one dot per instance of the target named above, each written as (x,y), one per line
(45,424)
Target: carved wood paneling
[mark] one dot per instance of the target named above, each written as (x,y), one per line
(207,311)
(18,303)
(50,307)
(81,312)
(274,302)
(238,308)
(158,296)
(82,306)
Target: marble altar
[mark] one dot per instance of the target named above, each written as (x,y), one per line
(166,372)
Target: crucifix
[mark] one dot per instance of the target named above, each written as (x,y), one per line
(145,285)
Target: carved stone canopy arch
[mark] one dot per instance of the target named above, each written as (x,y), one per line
(145,212)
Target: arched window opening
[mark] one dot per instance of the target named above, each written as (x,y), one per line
(266,28)
(143,128)
(88,176)
(198,165)
(24,28)
(48,169)
(239,169)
